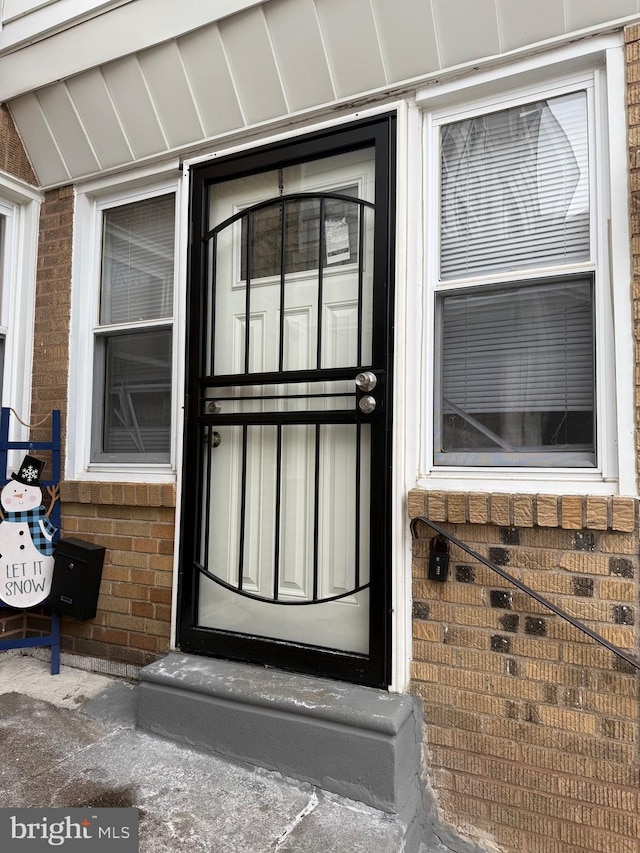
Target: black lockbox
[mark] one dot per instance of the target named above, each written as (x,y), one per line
(438,559)
(77,572)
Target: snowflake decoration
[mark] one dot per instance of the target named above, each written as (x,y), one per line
(29,473)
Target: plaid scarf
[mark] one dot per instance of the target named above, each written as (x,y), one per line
(33,517)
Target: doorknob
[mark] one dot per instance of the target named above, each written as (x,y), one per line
(367,404)
(366,381)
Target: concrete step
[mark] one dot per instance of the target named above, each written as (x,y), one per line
(355,742)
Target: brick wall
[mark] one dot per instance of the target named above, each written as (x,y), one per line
(532,728)
(135,523)
(52,311)
(13,158)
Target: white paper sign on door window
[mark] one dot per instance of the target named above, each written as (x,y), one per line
(336,240)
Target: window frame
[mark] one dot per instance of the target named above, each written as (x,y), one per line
(86,330)
(20,207)
(517,278)
(608,258)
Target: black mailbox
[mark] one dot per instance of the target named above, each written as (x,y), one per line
(77,572)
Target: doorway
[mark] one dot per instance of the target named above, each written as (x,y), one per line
(285,551)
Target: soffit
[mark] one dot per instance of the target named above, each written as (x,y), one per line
(264,64)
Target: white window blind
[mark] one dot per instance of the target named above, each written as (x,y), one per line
(138,261)
(519,350)
(514,188)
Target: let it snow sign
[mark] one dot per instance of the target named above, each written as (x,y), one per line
(26,537)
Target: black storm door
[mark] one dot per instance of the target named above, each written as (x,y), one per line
(286,483)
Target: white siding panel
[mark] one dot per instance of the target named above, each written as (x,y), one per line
(91,98)
(165,76)
(38,140)
(123,31)
(253,66)
(17,8)
(297,41)
(586,13)
(210,79)
(134,106)
(467,30)
(523,22)
(65,125)
(352,45)
(407,34)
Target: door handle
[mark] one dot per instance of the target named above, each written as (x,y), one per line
(366,381)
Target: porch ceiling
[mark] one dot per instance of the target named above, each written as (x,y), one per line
(265,63)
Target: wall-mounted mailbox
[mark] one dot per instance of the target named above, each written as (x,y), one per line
(438,559)
(77,573)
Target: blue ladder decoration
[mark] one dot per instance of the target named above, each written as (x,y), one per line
(52,639)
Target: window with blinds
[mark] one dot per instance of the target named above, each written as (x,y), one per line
(133,343)
(515,381)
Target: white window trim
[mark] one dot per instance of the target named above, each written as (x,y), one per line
(615,415)
(20,203)
(91,200)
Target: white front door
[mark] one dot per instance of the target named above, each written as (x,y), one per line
(292,408)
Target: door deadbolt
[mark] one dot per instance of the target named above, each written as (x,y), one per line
(366,381)
(367,404)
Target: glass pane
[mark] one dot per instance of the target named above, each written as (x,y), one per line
(517,373)
(286,516)
(304,222)
(300,311)
(266,242)
(515,188)
(138,261)
(137,392)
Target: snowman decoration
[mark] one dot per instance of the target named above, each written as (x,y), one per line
(26,537)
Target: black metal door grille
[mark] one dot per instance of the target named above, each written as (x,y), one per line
(241,402)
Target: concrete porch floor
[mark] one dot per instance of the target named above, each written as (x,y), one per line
(70,740)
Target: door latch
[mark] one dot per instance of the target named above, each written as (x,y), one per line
(212,438)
